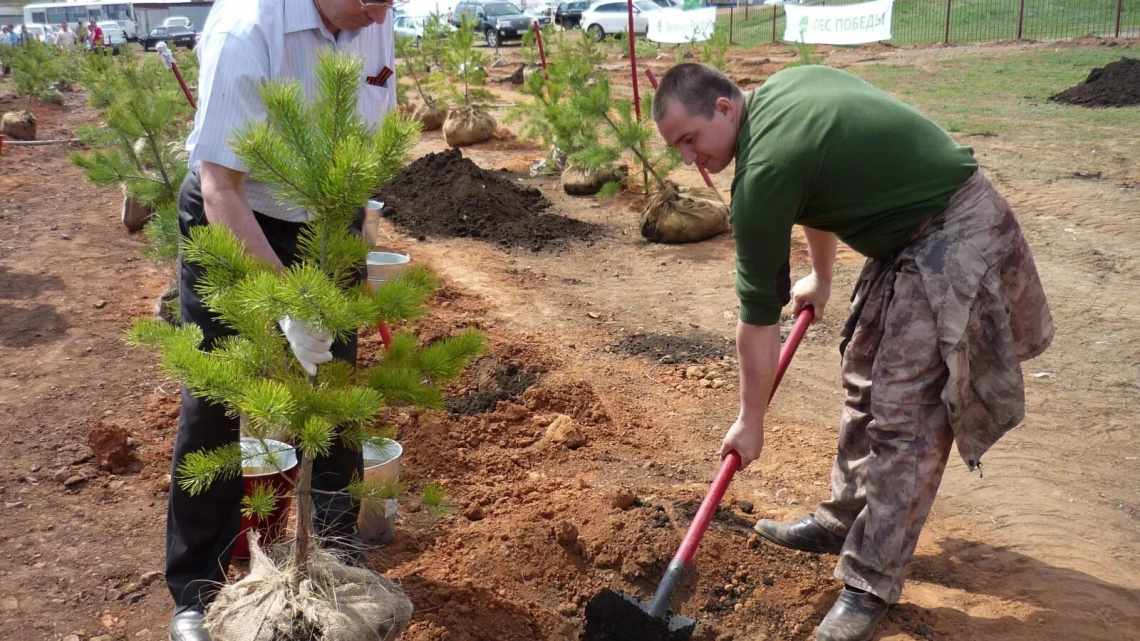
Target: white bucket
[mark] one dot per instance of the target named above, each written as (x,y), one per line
(385,265)
(377,520)
(266,457)
(372,221)
(382,462)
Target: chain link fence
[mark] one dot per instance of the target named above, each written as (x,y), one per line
(960,21)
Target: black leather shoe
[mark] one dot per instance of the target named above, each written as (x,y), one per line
(806,534)
(854,617)
(187,625)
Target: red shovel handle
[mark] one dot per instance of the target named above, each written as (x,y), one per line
(731,462)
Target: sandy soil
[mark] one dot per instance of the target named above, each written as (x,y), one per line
(1045,545)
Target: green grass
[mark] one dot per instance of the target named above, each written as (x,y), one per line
(1004,93)
(924,21)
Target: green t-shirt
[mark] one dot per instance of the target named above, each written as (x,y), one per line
(821,148)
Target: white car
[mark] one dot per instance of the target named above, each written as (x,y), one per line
(608,17)
(113,34)
(40,32)
(176,21)
(413,26)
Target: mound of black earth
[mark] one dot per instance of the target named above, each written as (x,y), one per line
(446,195)
(1113,85)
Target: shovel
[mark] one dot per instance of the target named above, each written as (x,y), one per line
(612,616)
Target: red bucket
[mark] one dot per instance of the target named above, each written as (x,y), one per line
(266,462)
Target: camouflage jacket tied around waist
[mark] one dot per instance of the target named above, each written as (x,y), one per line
(990,310)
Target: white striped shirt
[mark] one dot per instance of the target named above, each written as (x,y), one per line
(247,42)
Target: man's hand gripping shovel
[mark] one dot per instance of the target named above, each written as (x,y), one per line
(612,616)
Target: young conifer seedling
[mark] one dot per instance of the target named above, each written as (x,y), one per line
(324,158)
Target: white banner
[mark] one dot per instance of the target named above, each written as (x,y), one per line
(676,26)
(848,24)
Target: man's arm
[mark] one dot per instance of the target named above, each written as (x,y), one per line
(758,348)
(224,199)
(815,288)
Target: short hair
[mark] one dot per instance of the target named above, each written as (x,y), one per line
(696,87)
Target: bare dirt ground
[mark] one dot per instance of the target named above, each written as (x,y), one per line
(1044,546)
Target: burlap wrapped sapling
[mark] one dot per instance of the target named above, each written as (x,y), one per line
(430,117)
(301,591)
(467,123)
(468,126)
(583,181)
(675,215)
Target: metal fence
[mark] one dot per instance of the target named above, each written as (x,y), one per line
(960,21)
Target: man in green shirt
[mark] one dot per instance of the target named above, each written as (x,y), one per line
(947,307)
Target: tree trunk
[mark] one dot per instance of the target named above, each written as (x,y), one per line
(304,493)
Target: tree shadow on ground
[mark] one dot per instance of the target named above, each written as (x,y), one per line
(25,327)
(1047,601)
(24,285)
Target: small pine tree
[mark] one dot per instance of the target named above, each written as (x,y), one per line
(140,143)
(626,132)
(714,51)
(39,69)
(324,158)
(553,116)
(416,62)
(465,66)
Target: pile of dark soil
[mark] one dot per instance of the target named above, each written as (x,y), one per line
(667,349)
(447,195)
(1113,85)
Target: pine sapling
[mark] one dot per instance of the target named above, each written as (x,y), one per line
(323,158)
(466,66)
(553,116)
(139,146)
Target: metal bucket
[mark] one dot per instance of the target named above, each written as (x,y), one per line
(384,266)
(377,519)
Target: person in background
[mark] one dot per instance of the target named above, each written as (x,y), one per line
(65,37)
(94,36)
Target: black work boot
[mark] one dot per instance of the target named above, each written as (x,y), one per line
(806,534)
(854,617)
(188,625)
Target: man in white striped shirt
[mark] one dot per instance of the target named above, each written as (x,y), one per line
(243,44)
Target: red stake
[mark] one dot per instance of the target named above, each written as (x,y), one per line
(168,60)
(385,335)
(541,49)
(631,36)
(652,78)
(185,89)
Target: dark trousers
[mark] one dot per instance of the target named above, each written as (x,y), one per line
(201,529)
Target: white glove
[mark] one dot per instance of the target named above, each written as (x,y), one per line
(310,345)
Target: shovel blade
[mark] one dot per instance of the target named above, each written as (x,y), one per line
(613,616)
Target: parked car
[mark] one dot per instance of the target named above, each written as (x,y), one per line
(174,37)
(608,17)
(177,21)
(568,15)
(541,16)
(413,26)
(113,34)
(668,4)
(498,21)
(40,32)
